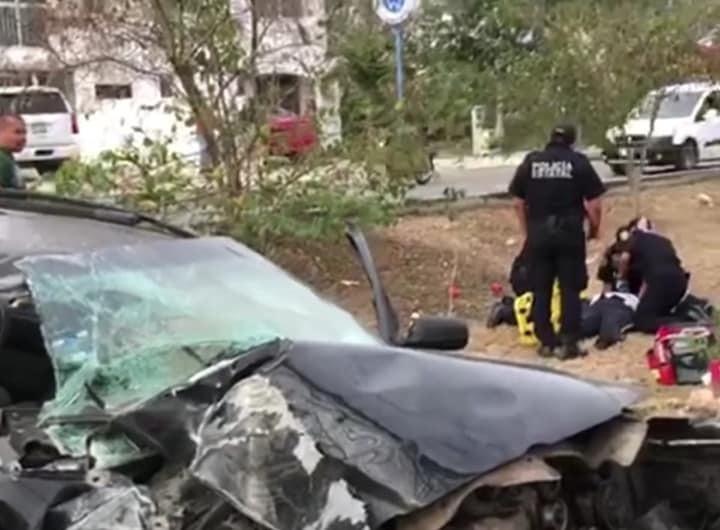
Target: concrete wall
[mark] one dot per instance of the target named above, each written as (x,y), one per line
(295,46)
(144,88)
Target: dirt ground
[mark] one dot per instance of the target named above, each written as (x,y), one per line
(416,258)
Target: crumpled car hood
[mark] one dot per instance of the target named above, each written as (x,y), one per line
(307,435)
(314,434)
(403,429)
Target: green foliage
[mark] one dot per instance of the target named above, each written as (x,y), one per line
(589,61)
(488,34)
(311,211)
(149,177)
(368,103)
(439,91)
(216,61)
(291,201)
(596,64)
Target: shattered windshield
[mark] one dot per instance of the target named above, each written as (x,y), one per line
(125,323)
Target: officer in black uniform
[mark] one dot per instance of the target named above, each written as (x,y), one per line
(664,280)
(554,190)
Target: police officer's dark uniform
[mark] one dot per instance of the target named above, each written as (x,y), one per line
(554,184)
(665,280)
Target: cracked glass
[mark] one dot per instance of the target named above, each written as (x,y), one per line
(123,324)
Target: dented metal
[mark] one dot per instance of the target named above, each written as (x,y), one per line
(264,406)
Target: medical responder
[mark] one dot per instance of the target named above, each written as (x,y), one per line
(554,191)
(664,280)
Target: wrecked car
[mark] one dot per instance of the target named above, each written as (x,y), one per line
(156,379)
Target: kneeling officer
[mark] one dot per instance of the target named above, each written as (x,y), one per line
(554,191)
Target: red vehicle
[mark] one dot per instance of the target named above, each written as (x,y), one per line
(709,45)
(291,134)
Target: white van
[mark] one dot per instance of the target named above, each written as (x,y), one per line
(686,129)
(51,124)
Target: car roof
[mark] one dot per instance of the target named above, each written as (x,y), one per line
(39,224)
(700,86)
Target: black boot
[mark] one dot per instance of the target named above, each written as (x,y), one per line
(569,350)
(546,352)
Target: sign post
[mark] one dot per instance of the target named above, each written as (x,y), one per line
(394,13)
(399,65)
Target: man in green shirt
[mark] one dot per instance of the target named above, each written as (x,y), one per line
(13,137)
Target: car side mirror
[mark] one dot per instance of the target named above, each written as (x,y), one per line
(437,333)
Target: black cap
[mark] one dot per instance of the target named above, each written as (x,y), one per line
(565,134)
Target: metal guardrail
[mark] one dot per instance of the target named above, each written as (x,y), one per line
(615,185)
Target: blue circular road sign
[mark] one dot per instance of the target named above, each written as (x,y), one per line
(395,12)
(394,6)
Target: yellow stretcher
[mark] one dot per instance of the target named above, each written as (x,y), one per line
(522,308)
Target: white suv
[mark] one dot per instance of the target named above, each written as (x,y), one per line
(51,124)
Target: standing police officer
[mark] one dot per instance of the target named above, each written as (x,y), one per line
(554,190)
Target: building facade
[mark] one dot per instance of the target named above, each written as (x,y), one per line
(291,55)
(291,52)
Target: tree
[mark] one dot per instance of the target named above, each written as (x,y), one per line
(597,64)
(215,50)
(220,52)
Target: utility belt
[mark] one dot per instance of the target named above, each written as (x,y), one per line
(556,225)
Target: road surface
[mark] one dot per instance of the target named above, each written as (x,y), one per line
(487,181)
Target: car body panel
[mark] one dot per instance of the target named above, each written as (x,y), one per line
(388,322)
(26,233)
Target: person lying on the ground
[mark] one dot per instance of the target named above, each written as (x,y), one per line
(609,316)
(664,280)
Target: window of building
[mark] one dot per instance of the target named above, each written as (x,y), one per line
(280,92)
(279,8)
(166,86)
(107,91)
(22,23)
